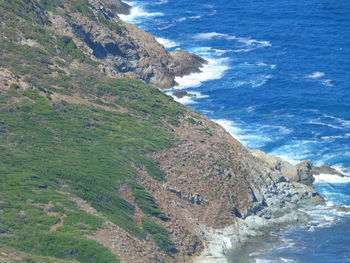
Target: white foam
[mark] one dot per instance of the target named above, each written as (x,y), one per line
(340,168)
(209,36)
(181,19)
(184,100)
(295,152)
(221,52)
(316,75)
(231,128)
(257,82)
(137,13)
(238,84)
(332,138)
(253,42)
(340,120)
(195,17)
(286,260)
(167,43)
(327,83)
(241,50)
(279,260)
(247,139)
(262,80)
(213,10)
(265,65)
(246,41)
(331,178)
(325,124)
(250,109)
(215,69)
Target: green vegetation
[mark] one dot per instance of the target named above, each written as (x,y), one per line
(207,131)
(70,51)
(24,9)
(191,121)
(147,204)
(48,145)
(160,235)
(7,255)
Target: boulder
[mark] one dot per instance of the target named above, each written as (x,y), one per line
(326,170)
(305,172)
(186,63)
(181,93)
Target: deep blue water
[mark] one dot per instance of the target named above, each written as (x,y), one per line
(279,81)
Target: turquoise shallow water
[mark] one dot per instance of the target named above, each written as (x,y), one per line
(278,80)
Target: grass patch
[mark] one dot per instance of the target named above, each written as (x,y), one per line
(45,144)
(146,203)
(160,235)
(92,151)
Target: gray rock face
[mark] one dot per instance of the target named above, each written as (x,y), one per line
(180,93)
(124,49)
(117,7)
(286,187)
(186,63)
(305,172)
(326,170)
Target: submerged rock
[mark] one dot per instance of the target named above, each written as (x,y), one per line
(327,170)
(181,93)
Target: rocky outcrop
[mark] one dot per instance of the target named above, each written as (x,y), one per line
(186,63)
(302,173)
(182,93)
(117,7)
(240,187)
(124,49)
(327,170)
(305,172)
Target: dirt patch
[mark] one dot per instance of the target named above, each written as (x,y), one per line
(76,99)
(120,242)
(60,223)
(47,209)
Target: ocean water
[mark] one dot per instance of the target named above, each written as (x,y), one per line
(278,79)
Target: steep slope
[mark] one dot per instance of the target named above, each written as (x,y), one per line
(120,49)
(97,166)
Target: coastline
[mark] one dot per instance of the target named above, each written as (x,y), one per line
(253,234)
(145,178)
(219,242)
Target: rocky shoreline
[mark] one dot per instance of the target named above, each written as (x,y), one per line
(274,207)
(220,242)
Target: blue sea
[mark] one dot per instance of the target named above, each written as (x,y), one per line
(278,79)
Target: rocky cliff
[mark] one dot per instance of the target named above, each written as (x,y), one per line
(97,166)
(121,49)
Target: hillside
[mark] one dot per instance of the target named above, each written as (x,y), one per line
(97,165)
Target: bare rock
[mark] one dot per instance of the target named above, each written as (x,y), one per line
(181,93)
(305,172)
(326,170)
(117,6)
(186,63)
(22,215)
